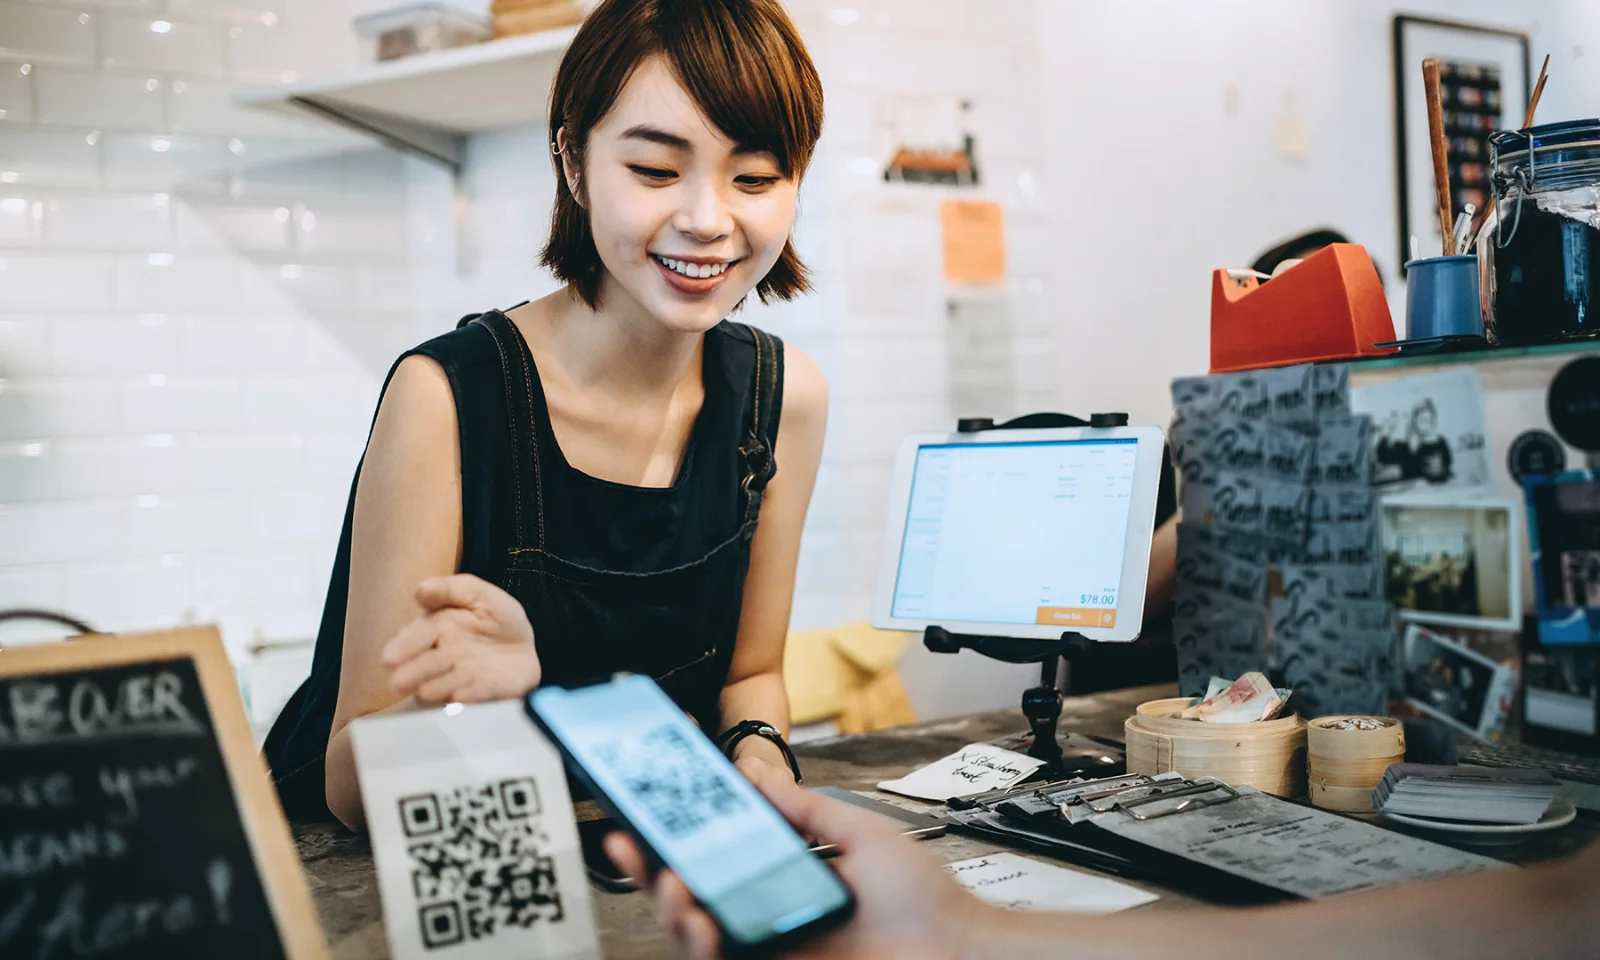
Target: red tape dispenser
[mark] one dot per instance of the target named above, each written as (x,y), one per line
(1328,307)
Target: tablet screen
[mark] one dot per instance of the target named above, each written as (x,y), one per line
(1016,533)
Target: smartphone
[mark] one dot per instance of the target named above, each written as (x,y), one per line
(666,783)
(592,834)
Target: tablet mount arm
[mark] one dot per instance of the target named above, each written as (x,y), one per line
(1041,704)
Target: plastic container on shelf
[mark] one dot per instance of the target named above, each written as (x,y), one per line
(1539,253)
(416,28)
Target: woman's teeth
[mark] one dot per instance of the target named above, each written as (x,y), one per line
(696,271)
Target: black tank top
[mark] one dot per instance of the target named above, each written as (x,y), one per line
(613,577)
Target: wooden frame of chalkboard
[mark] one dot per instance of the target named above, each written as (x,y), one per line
(136,816)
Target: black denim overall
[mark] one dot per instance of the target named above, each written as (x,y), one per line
(652,586)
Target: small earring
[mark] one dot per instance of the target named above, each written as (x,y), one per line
(556,149)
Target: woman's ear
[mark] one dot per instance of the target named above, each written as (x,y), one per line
(571,166)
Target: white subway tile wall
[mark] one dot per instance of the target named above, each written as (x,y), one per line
(16,95)
(187,362)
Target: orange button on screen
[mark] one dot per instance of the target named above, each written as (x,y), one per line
(1076,617)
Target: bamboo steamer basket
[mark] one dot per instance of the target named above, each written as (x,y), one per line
(1270,755)
(1345,766)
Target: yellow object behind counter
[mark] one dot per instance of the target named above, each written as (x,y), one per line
(846,674)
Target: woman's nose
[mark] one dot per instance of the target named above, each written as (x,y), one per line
(705,214)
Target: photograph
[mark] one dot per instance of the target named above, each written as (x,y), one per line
(1452,562)
(1446,680)
(1580,575)
(1564,546)
(1559,689)
(1428,432)
(1484,81)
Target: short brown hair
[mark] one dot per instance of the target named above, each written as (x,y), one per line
(741,61)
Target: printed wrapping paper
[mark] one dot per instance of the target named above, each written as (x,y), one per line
(1276,474)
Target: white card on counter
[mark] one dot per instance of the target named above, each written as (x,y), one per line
(965,773)
(1018,883)
(473,836)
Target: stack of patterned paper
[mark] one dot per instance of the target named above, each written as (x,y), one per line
(1466,793)
(515,17)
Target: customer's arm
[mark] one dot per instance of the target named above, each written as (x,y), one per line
(1542,913)
(908,906)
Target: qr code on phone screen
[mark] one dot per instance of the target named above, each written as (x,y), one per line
(681,791)
(477,861)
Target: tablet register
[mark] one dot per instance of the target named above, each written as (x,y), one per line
(1021,533)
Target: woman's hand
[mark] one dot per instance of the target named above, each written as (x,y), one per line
(906,906)
(762,763)
(472,644)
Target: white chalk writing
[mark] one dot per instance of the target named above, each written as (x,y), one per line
(43,710)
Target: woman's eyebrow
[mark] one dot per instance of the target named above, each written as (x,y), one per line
(651,134)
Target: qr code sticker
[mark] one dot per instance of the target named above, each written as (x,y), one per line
(477,861)
(681,791)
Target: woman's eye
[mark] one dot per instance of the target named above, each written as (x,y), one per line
(755,180)
(652,173)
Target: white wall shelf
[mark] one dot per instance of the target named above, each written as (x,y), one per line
(428,104)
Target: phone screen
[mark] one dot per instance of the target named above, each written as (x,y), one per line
(699,815)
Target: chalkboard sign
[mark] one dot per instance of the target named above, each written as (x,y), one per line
(136,819)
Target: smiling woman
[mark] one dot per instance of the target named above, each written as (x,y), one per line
(590,482)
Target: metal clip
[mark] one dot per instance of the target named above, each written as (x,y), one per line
(1193,799)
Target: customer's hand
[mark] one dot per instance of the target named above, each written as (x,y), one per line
(906,905)
(472,644)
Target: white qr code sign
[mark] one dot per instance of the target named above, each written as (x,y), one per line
(473,833)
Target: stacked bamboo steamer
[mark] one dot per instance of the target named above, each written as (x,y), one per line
(1269,755)
(1347,756)
(515,17)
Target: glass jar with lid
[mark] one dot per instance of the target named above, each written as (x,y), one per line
(1539,252)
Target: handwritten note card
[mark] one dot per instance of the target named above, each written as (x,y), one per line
(1018,883)
(474,837)
(965,773)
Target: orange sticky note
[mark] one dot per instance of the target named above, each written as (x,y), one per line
(974,241)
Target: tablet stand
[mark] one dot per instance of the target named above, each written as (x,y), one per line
(1041,704)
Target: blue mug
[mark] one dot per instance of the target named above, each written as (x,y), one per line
(1442,298)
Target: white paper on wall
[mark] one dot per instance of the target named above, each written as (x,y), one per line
(474,837)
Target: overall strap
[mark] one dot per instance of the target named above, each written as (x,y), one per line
(767,402)
(516,368)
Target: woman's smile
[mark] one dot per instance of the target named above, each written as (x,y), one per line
(696,276)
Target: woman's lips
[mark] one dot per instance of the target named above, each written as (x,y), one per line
(694,286)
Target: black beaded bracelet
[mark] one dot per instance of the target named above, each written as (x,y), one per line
(758,728)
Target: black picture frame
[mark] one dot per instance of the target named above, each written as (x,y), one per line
(1408,83)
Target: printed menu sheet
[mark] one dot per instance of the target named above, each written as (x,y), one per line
(1300,850)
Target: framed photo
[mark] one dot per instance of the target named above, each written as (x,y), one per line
(1428,432)
(1463,688)
(1564,545)
(1453,561)
(1484,80)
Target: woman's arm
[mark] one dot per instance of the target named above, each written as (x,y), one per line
(754,688)
(1163,568)
(407,528)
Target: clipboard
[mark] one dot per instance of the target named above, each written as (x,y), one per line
(1032,817)
(1298,850)
(1225,844)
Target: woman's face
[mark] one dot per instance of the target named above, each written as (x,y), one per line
(686,221)
(1424,420)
